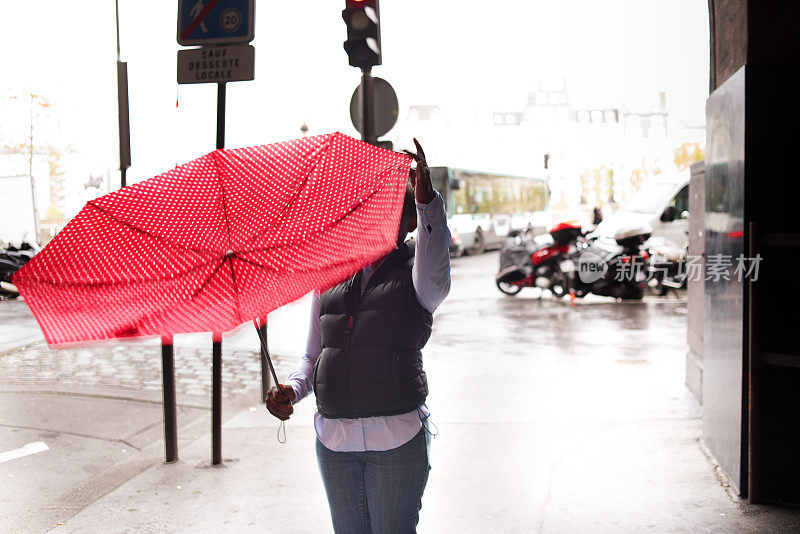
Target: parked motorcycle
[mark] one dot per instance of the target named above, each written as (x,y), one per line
(615,268)
(11,260)
(668,268)
(528,261)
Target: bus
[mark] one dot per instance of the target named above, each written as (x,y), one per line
(482,208)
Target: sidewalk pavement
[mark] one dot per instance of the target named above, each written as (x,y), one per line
(551,419)
(540,430)
(97,407)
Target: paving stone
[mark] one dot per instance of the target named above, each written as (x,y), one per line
(132,367)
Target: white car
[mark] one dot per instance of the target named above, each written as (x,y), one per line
(662,203)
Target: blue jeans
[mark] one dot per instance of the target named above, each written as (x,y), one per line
(374,492)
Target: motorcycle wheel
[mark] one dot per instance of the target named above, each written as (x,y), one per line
(559,291)
(631,292)
(508,289)
(655,285)
(560,286)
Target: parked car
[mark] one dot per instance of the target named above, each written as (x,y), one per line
(662,203)
(456,246)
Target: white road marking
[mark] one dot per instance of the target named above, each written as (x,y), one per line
(34,447)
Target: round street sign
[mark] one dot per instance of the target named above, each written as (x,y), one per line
(385,107)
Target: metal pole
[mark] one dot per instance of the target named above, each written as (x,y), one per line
(265,378)
(123,111)
(367,120)
(124,122)
(33,184)
(170,405)
(216,400)
(221,115)
(116,5)
(216,362)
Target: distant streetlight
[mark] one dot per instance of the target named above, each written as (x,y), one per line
(35,99)
(122,107)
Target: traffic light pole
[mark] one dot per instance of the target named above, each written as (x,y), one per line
(367,120)
(221,115)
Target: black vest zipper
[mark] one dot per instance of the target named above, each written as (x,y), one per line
(350,309)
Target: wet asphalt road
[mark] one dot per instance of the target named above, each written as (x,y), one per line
(95,406)
(551,413)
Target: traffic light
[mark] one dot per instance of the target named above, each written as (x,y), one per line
(363,43)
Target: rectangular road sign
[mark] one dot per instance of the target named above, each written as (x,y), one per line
(215,22)
(213,64)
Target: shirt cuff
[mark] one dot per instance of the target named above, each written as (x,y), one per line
(433,211)
(299,391)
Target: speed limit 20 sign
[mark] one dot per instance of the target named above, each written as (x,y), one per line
(215,22)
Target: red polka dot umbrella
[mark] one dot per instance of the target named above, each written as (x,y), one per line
(219,241)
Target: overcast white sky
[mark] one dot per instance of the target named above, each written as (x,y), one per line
(463,54)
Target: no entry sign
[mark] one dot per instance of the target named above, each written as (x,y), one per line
(215,22)
(214,64)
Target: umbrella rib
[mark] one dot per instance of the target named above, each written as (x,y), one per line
(322,230)
(117,282)
(294,244)
(302,271)
(207,280)
(148,234)
(294,196)
(153,313)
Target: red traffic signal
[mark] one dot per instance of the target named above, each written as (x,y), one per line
(363,45)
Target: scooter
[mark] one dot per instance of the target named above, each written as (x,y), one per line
(668,269)
(524,262)
(615,268)
(11,260)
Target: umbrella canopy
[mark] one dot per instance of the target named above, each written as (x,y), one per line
(221,240)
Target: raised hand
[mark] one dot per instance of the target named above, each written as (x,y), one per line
(421,176)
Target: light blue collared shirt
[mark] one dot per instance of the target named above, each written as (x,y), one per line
(431,277)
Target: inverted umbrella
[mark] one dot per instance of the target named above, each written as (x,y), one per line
(218,241)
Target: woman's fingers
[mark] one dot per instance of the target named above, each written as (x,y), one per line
(279,402)
(287,392)
(414,156)
(280,410)
(419,149)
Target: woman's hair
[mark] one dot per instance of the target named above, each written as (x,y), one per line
(409,205)
(408,216)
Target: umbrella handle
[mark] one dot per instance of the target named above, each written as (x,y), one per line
(282,426)
(281,430)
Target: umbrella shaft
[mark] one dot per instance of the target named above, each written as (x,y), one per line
(265,351)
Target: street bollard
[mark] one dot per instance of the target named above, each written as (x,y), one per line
(170,405)
(216,399)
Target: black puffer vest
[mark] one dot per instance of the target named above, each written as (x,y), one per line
(371,360)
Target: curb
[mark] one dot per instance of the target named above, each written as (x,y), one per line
(60,510)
